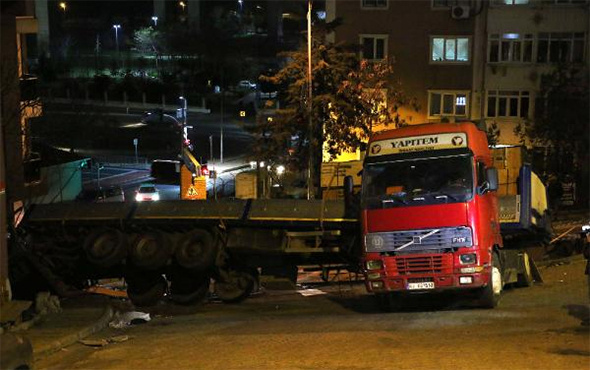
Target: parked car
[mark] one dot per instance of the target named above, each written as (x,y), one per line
(102,195)
(246,85)
(147,192)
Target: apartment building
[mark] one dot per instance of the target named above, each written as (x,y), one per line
(526,39)
(467,60)
(20,172)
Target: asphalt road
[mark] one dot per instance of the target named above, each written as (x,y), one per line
(341,328)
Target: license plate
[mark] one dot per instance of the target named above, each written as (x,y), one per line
(422,285)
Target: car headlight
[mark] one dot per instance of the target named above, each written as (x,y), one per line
(156,197)
(138,197)
(374,264)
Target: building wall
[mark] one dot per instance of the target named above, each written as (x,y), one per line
(533,18)
(409,26)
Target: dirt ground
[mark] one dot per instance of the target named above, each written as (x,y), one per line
(534,328)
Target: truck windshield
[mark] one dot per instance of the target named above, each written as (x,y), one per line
(416,182)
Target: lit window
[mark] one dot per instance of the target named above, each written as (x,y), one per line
(447,103)
(508,104)
(374,47)
(510,47)
(374,3)
(560,47)
(449,49)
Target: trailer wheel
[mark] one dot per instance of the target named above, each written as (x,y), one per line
(187,288)
(235,286)
(525,279)
(146,291)
(150,250)
(489,296)
(196,250)
(106,247)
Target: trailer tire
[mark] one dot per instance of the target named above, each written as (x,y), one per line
(186,288)
(236,287)
(196,250)
(525,279)
(489,296)
(146,291)
(105,247)
(150,250)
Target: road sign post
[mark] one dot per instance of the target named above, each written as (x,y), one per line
(135,143)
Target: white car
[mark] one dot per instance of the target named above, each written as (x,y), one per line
(245,84)
(147,192)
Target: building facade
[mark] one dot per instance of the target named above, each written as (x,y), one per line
(467,60)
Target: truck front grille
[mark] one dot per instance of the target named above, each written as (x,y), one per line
(419,240)
(423,264)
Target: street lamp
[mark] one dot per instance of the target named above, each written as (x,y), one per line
(182,4)
(116,27)
(63,6)
(155,19)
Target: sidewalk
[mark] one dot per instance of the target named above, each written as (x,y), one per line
(79,318)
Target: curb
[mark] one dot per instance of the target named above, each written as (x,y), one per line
(68,340)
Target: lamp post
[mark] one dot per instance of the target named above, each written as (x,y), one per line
(182,4)
(155,19)
(183,132)
(309,106)
(117,27)
(63,6)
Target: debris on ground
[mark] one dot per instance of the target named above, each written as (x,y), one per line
(122,320)
(104,341)
(109,287)
(45,303)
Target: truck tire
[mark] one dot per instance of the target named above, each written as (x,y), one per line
(235,287)
(105,247)
(189,289)
(489,296)
(146,291)
(196,250)
(525,278)
(150,250)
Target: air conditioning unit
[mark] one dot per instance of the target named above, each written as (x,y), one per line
(460,12)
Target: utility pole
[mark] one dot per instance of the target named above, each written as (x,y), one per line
(310,190)
(221,122)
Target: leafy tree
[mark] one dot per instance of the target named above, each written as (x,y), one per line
(149,41)
(561,123)
(350,97)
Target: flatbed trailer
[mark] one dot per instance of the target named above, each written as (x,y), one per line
(190,242)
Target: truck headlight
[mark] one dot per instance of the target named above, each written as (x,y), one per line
(374,265)
(468,259)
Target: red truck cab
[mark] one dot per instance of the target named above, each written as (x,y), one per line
(430,212)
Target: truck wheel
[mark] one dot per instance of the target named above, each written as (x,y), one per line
(106,247)
(150,250)
(235,286)
(525,278)
(490,294)
(189,289)
(196,250)
(147,291)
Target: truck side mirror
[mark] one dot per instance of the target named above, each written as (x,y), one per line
(492,178)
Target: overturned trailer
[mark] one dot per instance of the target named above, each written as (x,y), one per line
(181,245)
